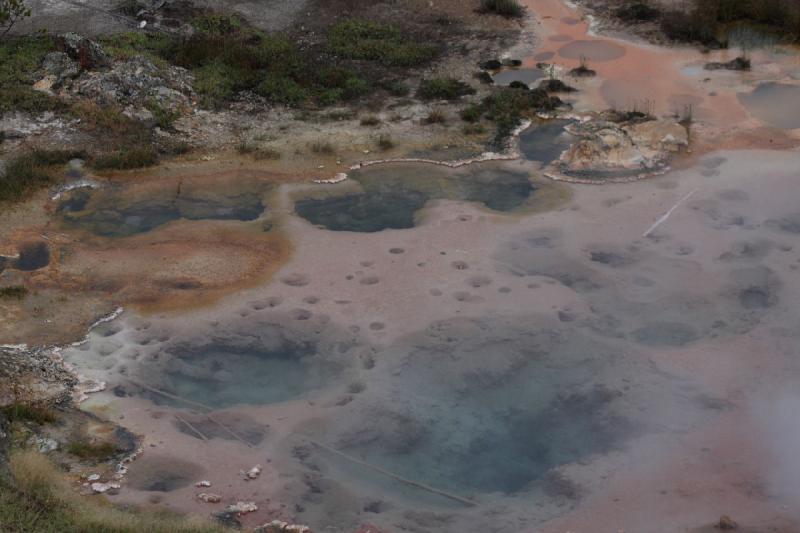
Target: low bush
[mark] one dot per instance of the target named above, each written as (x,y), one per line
(372,41)
(443,89)
(126,159)
(471,113)
(506,8)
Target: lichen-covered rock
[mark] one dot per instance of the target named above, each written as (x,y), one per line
(137,82)
(605,146)
(59,67)
(35,376)
(87,53)
(279,526)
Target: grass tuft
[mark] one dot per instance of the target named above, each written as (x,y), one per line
(13,292)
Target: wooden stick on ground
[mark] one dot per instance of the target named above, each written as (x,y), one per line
(190,426)
(394,476)
(195,404)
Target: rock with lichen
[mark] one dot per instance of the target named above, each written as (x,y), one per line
(605,146)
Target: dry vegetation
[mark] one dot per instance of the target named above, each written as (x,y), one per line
(35,498)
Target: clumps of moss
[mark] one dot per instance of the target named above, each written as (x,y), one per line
(505,8)
(26,412)
(13,292)
(92,451)
(126,159)
(443,89)
(373,41)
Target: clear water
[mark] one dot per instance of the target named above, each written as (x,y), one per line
(545,141)
(524,75)
(33,256)
(592,50)
(777,104)
(113,213)
(489,405)
(391,195)
(221,375)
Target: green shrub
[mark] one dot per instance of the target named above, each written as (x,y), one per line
(373,41)
(506,8)
(283,91)
(397,88)
(443,89)
(165,118)
(471,113)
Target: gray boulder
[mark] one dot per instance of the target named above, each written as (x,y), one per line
(88,54)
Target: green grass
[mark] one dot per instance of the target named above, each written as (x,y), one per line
(505,8)
(443,89)
(35,498)
(13,292)
(372,41)
(19,59)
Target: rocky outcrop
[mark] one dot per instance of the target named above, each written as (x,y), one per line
(137,82)
(33,376)
(87,53)
(606,147)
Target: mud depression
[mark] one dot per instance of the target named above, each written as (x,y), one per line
(531,361)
